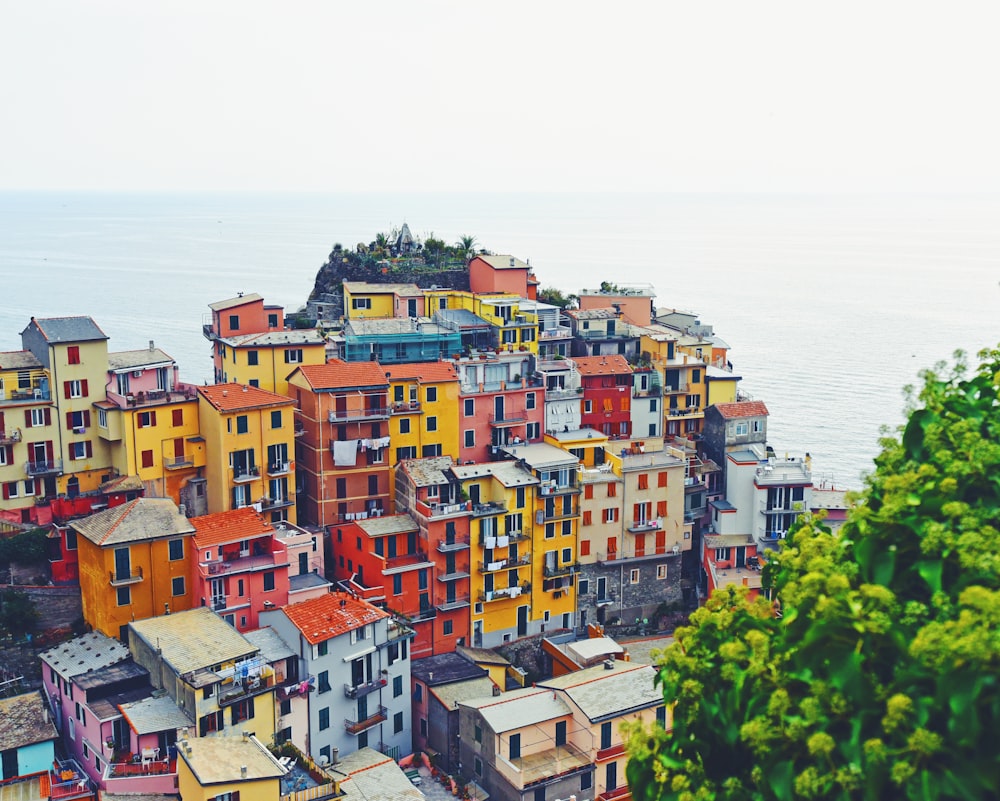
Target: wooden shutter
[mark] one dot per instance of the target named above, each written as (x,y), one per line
(83,388)
(90,448)
(66,388)
(48,416)
(27,418)
(86,417)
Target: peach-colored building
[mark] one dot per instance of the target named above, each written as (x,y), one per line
(501,274)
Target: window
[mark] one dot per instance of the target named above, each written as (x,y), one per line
(397,584)
(587,518)
(397,686)
(742,429)
(477,732)
(75,389)
(661,480)
(177,586)
(323,648)
(432,424)
(242,424)
(373,485)
(269,581)
(515,746)
(586,781)
(661,572)
(397,723)
(633,576)
(757,426)
(611,514)
(242,711)
(588,491)
(469,409)
(470,439)
(432,394)
(612,490)
(323,682)
(532,431)
(35,418)
(124,596)
(10,489)
(519,502)
(73,354)
(567,555)
(529,400)
(643,481)
(418,693)
(252,358)
(146,419)
(234,322)
(293,356)
(446,628)
(147,458)
(80,450)
(606,735)
(361,303)
(588,406)
(324,718)
(661,508)
(175,548)
(272,321)
(696,376)
(404,425)
(276,418)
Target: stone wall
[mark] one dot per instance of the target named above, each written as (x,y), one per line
(58,607)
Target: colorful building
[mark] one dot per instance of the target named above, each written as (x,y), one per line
(607,395)
(490,274)
(244,314)
(249,443)
(636,303)
(266,358)
(228,768)
(133,563)
(342,412)
(684,384)
(423,400)
(602,332)
(397,340)
(240,566)
(366,300)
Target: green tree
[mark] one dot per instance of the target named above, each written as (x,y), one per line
(18,615)
(556,297)
(466,247)
(876,673)
(28,547)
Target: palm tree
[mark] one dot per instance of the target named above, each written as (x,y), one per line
(467,246)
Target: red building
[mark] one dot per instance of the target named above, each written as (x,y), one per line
(731,560)
(240,566)
(432,495)
(342,441)
(607,394)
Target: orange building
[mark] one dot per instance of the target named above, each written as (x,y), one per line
(133,563)
(491,274)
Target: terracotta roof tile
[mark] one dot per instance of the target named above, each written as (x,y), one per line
(222,527)
(331,615)
(742,409)
(602,365)
(426,372)
(336,374)
(240,397)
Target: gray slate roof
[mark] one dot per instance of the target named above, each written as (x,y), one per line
(151,715)
(601,693)
(135,521)
(69,329)
(92,651)
(444,668)
(272,647)
(131,359)
(19,360)
(194,639)
(231,302)
(304,581)
(428,472)
(519,708)
(371,776)
(450,694)
(24,721)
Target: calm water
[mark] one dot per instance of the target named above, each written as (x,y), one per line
(830,304)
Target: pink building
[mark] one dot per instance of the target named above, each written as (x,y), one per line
(241,566)
(490,274)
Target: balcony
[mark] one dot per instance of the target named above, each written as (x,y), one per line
(563,393)
(488,508)
(424,613)
(40,468)
(35,388)
(178,462)
(504,564)
(66,780)
(610,752)
(442,509)
(358,726)
(643,526)
(139,776)
(268,504)
(354,415)
(451,604)
(559,332)
(247,688)
(358,690)
(559,570)
(279,469)
(616,794)
(406,408)
(488,596)
(243,474)
(119,578)
(552,488)
(401,559)
(10,437)
(235,563)
(648,553)
(455,575)
(508,419)
(458,543)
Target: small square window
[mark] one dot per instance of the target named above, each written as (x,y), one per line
(177,586)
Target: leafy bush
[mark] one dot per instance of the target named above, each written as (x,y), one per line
(876,673)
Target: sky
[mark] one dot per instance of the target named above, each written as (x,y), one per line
(344,96)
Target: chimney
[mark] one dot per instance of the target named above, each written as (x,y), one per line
(334,755)
(182,508)
(151,345)
(243,771)
(225,393)
(246,387)
(511,261)
(430,676)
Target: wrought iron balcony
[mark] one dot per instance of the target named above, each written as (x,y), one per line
(122,579)
(504,564)
(358,726)
(458,543)
(488,508)
(368,413)
(358,690)
(559,570)
(38,468)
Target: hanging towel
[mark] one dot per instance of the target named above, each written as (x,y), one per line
(491,542)
(515,591)
(345,454)
(503,541)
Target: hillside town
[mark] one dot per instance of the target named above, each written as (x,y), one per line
(416,548)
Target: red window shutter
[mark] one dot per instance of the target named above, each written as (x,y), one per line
(86,417)
(661,508)
(587,518)
(90,449)
(48,451)
(661,540)
(588,491)
(1,421)
(636,511)
(640,544)
(6,492)
(179,448)
(66,388)
(612,544)
(27,418)
(83,388)
(584,547)
(69,420)
(662,480)
(152,418)
(48,417)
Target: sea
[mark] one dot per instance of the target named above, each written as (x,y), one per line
(831,304)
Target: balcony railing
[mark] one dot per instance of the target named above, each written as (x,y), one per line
(455,575)
(616,794)
(10,437)
(254,685)
(275,503)
(504,564)
(279,468)
(451,604)
(442,509)
(406,408)
(488,508)
(508,419)
(120,579)
(38,468)
(368,413)
(178,462)
(358,726)
(358,690)
(563,393)
(401,558)
(648,553)
(643,526)
(488,596)
(244,473)
(610,752)
(560,332)
(458,543)
(559,570)
(493,541)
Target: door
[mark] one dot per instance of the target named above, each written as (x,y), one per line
(522,621)
(611,777)
(303,563)
(123,564)
(411,308)
(10,763)
(498,408)
(560,733)
(477,634)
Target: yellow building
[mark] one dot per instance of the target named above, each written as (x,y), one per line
(365,300)
(514,327)
(134,563)
(265,359)
(501,557)
(249,442)
(28,436)
(74,353)
(227,768)
(684,384)
(423,399)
